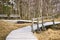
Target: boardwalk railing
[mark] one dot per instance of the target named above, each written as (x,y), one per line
(42,22)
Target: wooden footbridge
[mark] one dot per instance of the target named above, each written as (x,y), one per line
(41,20)
(26,33)
(37,21)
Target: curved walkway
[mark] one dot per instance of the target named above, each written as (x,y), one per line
(25,33)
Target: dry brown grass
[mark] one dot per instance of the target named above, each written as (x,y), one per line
(56,19)
(50,34)
(6,28)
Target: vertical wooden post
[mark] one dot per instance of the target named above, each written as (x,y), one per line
(42,24)
(32,26)
(42,13)
(38,25)
(53,18)
(42,8)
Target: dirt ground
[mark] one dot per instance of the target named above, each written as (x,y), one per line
(6,28)
(50,34)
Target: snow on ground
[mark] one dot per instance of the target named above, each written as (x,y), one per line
(25,32)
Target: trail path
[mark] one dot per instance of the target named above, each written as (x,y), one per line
(25,32)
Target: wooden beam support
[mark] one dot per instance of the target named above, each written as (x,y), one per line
(32,26)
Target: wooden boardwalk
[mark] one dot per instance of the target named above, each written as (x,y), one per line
(26,33)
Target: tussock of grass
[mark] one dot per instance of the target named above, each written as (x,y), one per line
(7,27)
(50,34)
